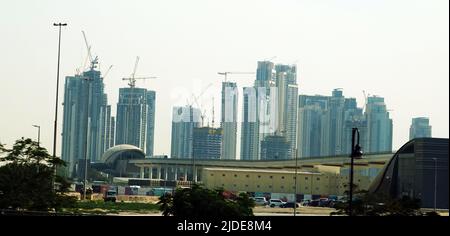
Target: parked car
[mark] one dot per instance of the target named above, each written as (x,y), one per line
(305,202)
(110,195)
(260,201)
(314,203)
(323,202)
(290,205)
(276,202)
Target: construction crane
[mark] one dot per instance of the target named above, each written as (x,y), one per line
(107,71)
(93,61)
(132,79)
(195,100)
(365,100)
(225,74)
(270,59)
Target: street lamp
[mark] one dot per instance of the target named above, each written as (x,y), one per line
(56,103)
(295,183)
(435,182)
(86,143)
(355,154)
(57,88)
(39,133)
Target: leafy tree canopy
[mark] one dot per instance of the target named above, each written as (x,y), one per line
(202,202)
(366,204)
(27,180)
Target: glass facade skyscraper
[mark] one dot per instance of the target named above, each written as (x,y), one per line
(86,120)
(184,120)
(420,128)
(136,118)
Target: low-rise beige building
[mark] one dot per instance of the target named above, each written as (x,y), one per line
(327,181)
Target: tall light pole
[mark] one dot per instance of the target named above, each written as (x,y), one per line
(435,182)
(39,134)
(39,143)
(356,153)
(295,183)
(86,143)
(57,89)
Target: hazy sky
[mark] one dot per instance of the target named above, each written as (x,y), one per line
(395,49)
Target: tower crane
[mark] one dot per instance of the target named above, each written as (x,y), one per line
(132,79)
(365,100)
(107,71)
(93,61)
(195,99)
(225,74)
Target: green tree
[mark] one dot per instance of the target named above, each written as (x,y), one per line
(27,180)
(202,202)
(366,204)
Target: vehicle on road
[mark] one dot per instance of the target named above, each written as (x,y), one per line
(260,201)
(276,202)
(110,195)
(290,205)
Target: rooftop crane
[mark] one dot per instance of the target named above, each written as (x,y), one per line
(225,74)
(132,79)
(107,71)
(365,100)
(94,61)
(195,99)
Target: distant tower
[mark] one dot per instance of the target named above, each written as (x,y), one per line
(379,126)
(85,109)
(420,128)
(229,119)
(249,125)
(136,118)
(184,120)
(207,142)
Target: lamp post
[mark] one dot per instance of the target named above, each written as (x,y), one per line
(435,182)
(39,134)
(87,79)
(57,87)
(39,141)
(295,183)
(356,153)
(59,25)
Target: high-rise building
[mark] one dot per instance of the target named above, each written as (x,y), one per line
(353,118)
(229,119)
(207,143)
(332,127)
(85,120)
(275,147)
(136,118)
(379,126)
(287,98)
(311,110)
(269,108)
(266,95)
(184,120)
(420,128)
(326,123)
(249,125)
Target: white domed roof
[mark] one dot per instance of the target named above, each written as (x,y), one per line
(119,149)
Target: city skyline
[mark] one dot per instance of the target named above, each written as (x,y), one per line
(311,78)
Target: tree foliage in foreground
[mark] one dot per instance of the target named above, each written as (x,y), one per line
(202,202)
(366,204)
(26,181)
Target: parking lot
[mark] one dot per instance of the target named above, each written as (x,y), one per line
(303,210)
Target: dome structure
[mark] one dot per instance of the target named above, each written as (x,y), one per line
(115,161)
(120,152)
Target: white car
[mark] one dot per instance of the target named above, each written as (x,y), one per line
(260,201)
(275,202)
